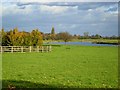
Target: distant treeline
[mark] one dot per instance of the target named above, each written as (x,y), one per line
(35,37)
(67,35)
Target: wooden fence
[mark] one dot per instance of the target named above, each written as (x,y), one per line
(25,49)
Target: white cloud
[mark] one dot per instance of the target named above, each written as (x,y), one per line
(101,9)
(0,16)
(60,0)
(90,10)
(57,9)
(102,14)
(14,9)
(73,26)
(0,10)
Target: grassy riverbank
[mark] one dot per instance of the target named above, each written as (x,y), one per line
(65,66)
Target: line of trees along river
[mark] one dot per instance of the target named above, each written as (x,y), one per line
(35,37)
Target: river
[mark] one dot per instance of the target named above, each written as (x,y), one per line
(81,43)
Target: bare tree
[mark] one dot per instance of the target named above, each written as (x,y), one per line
(65,36)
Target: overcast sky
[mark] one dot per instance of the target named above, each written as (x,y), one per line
(76,18)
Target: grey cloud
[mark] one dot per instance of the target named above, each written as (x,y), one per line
(81,5)
(112,9)
(22,7)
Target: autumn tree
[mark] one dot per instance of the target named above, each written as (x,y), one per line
(36,38)
(14,38)
(3,37)
(65,36)
(26,38)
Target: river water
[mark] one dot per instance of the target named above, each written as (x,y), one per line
(81,43)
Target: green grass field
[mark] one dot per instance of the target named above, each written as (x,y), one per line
(65,66)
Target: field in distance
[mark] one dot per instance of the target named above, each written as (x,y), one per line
(66,66)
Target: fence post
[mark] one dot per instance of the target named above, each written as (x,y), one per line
(22,49)
(11,49)
(37,48)
(50,48)
(30,48)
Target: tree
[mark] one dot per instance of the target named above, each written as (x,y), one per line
(10,38)
(76,36)
(65,36)
(53,30)
(53,33)
(86,34)
(26,38)
(97,36)
(79,37)
(3,37)
(36,38)
(113,37)
(46,36)
(16,38)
